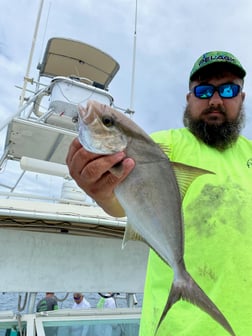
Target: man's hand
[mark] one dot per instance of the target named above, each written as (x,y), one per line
(92,173)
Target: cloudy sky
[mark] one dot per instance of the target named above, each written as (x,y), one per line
(171,35)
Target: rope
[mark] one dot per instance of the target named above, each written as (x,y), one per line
(19,302)
(61,300)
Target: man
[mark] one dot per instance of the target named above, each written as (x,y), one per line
(49,302)
(107,302)
(80,302)
(217,207)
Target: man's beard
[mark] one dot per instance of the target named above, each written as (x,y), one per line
(219,136)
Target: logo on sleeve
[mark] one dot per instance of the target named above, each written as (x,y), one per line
(249,163)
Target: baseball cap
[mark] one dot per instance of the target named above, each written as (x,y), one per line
(214,57)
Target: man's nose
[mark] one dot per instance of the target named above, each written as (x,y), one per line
(215,99)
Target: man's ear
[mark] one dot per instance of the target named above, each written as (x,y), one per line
(188,96)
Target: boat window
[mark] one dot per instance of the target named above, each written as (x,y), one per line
(118,327)
(10,328)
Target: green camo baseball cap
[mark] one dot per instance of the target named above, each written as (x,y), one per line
(213,57)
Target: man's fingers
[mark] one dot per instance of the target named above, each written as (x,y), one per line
(95,169)
(78,157)
(73,148)
(108,181)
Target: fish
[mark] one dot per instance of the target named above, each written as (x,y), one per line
(151,196)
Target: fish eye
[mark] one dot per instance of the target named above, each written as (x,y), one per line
(107,121)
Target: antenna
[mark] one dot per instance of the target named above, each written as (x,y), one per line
(26,78)
(45,30)
(130,110)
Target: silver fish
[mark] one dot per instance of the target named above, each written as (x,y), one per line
(151,196)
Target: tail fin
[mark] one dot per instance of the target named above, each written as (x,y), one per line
(188,290)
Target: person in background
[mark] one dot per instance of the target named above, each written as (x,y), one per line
(49,302)
(80,303)
(107,301)
(217,207)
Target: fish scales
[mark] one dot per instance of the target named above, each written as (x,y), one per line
(151,196)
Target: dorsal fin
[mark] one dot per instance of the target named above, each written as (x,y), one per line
(165,148)
(185,175)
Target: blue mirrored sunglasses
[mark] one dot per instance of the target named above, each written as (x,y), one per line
(206,91)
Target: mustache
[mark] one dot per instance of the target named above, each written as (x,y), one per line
(211,109)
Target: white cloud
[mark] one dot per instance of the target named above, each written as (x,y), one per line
(170,36)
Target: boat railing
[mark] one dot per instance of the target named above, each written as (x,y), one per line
(71,73)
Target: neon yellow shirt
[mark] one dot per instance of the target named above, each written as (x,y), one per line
(217,212)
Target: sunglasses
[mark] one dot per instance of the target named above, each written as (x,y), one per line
(206,91)
(77,298)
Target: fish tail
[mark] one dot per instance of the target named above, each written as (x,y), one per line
(188,290)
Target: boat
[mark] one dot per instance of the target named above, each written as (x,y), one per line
(53,237)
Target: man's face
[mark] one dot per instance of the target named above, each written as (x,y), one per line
(216,121)
(78,298)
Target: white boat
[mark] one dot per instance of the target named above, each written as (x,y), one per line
(52,236)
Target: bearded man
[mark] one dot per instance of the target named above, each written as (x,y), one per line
(217,207)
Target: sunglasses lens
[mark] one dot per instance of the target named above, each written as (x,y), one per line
(229,90)
(204,91)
